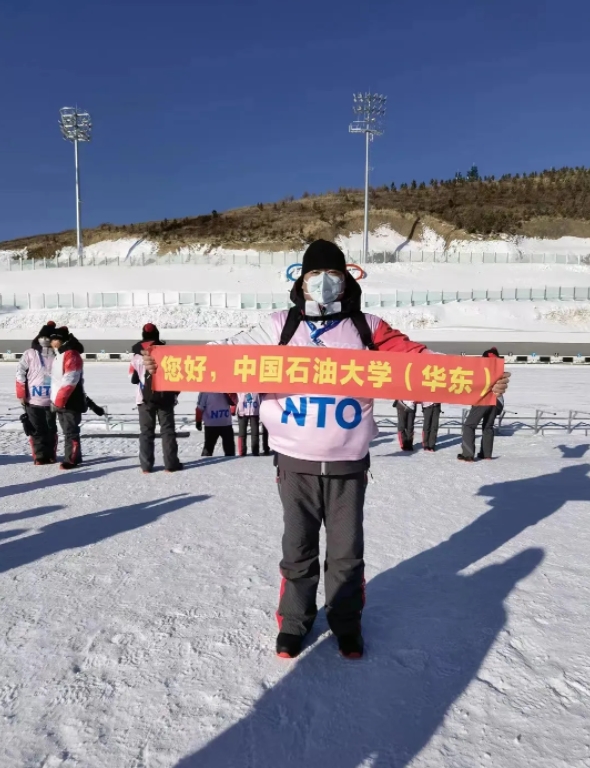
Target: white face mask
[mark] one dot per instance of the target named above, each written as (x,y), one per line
(325,288)
(45,342)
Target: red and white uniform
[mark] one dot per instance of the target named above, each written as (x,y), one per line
(66,374)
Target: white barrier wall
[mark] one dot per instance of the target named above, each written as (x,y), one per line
(285,258)
(221,300)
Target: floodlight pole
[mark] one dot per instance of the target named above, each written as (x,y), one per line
(368,138)
(76,126)
(370,108)
(78,203)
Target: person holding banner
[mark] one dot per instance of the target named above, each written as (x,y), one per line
(486,415)
(321,442)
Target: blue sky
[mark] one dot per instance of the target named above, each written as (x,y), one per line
(210,105)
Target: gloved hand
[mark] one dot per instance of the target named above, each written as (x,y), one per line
(199,425)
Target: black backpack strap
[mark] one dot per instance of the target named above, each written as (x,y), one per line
(360,323)
(291,325)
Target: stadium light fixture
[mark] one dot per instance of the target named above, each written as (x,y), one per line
(369,110)
(76,126)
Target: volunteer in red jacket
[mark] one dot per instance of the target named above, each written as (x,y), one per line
(67,392)
(322,447)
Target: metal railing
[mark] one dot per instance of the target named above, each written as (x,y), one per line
(135,257)
(512,422)
(270,301)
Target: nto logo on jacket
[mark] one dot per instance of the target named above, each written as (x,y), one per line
(347,413)
(222,413)
(43,391)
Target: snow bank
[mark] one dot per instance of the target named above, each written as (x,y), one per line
(497,322)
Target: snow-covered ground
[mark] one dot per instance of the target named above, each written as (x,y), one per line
(501,323)
(494,321)
(137,615)
(382,278)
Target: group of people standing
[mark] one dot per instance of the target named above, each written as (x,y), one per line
(50,386)
(484,414)
(214,413)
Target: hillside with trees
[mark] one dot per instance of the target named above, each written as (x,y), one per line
(550,204)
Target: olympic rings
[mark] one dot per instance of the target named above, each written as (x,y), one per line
(360,272)
(294,272)
(291,269)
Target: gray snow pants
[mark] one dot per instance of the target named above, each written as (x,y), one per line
(308,501)
(431,414)
(405,425)
(487,415)
(147,437)
(70,421)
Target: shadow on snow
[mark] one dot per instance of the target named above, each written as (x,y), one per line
(429,629)
(81,531)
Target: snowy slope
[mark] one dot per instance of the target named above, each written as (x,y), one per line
(137,621)
(382,278)
(384,239)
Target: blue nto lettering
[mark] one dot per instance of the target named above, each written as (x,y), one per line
(322,403)
(38,391)
(291,410)
(358,414)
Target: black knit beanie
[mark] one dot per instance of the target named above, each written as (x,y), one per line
(150,332)
(45,332)
(323,254)
(60,333)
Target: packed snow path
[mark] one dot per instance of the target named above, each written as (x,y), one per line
(137,614)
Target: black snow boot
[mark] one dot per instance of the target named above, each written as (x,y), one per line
(351,646)
(289,646)
(465,458)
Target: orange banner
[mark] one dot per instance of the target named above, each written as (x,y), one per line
(327,371)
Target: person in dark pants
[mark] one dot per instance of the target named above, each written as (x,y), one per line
(486,415)
(68,398)
(431,415)
(406,417)
(214,410)
(153,407)
(336,501)
(33,389)
(248,409)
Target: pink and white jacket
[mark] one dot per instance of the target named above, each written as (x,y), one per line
(213,409)
(248,404)
(313,427)
(33,376)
